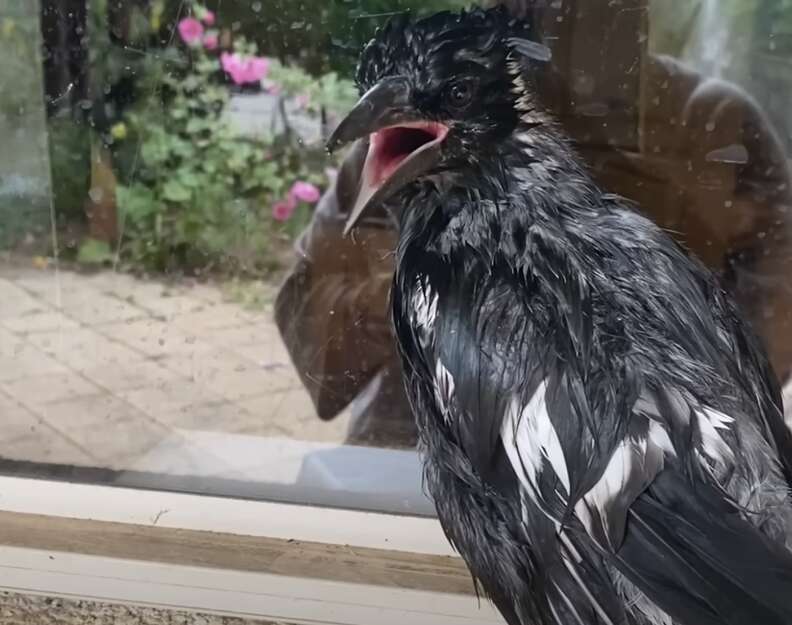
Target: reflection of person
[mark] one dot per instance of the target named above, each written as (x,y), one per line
(712,170)
(332,313)
(709,168)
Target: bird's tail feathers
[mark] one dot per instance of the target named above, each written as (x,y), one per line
(700,561)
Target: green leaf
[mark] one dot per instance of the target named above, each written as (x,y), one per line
(136,202)
(183,149)
(94,252)
(190,179)
(154,151)
(175,191)
(191,82)
(198,124)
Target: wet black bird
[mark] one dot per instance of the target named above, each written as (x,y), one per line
(602,433)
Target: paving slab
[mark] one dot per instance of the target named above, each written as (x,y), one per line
(48,388)
(101,369)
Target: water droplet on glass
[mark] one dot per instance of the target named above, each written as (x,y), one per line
(96,194)
(256,6)
(710,126)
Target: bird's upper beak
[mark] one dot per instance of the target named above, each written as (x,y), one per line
(402,145)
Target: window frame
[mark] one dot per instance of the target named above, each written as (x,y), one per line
(104,575)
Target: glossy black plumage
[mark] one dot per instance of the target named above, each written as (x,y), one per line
(602,432)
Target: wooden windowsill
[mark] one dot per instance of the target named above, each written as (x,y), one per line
(264,560)
(340,563)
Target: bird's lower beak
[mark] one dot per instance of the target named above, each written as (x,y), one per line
(402,146)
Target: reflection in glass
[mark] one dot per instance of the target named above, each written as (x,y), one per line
(179,306)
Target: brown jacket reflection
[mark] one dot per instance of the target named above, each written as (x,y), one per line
(710,170)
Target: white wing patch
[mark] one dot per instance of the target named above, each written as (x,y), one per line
(628,463)
(658,435)
(444,389)
(711,422)
(634,464)
(529,439)
(620,466)
(424,303)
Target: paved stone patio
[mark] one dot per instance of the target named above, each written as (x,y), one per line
(98,370)
(108,370)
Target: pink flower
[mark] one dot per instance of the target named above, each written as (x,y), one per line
(282,210)
(208,18)
(191,30)
(244,69)
(229,61)
(210,41)
(305,192)
(258,67)
(302,100)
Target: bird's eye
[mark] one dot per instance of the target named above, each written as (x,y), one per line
(460,94)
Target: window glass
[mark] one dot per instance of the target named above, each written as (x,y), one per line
(179,305)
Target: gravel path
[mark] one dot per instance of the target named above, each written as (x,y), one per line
(34,610)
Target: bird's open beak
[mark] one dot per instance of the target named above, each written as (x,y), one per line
(401,144)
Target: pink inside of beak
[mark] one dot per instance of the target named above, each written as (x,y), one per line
(390,147)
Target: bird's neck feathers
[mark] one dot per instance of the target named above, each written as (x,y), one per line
(532,177)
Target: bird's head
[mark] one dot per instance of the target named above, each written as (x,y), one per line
(437,95)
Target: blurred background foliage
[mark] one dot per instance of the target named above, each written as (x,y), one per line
(748,42)
(108,62)
(320,36)
(24,175)
(141,148)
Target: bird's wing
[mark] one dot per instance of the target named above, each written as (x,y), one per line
(628,478)
(659,511)
(754,367)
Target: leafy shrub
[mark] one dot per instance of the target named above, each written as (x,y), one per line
(71,167)
(202,197)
